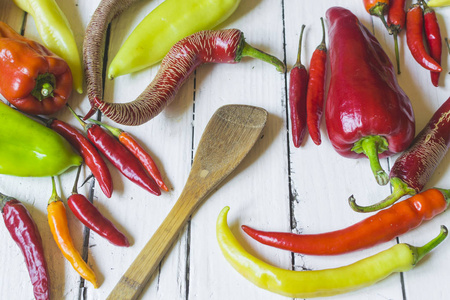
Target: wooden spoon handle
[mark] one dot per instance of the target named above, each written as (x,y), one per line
(142,268)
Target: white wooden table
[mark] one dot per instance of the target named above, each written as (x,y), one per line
(277,187)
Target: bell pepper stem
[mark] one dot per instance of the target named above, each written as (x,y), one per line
(250,51)
(420,252)
(44,87)
(400,189)
(371,146)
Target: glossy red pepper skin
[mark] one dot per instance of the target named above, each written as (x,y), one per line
(25,233)
(29,72)
(121,158)
(91,156)
(434,39)
(364,98)
(414,39)
(92,218)
(381,227)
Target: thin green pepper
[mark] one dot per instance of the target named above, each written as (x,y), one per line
(168,23)
(56,34)
(28,148)
(319,283)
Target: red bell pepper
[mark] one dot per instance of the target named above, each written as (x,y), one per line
(367,113)
(32,78)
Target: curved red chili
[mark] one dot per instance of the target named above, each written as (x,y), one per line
(381,227)
(26,234)
(414,39)
(316,89)
(93,219)
(433,38)
(89,153)
(414,167)
(396,22)
(210,46)
(298,86)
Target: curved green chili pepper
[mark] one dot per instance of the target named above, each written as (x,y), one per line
(168,23)
(320,283)
(28,148)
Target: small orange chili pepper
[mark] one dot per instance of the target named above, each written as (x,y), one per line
(57,219)
(138,151)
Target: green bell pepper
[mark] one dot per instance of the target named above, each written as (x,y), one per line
(28,148)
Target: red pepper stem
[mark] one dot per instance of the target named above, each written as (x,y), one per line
(298,63)
(379,10)
(397,55)
(45,84)
(371,146)
(114,130)
(420,252)
(3,200)
(322,45)
(250,51)
(54,197)
(77,117)
(400,189)
(75,189)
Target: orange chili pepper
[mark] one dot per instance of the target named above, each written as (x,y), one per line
(57,219)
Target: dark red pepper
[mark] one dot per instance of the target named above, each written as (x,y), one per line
(396,22)
(26,234)
(414,167)
(367,113)
(298,85)
(93,219)
(433,38)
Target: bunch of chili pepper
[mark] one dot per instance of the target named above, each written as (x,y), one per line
(306,93)
(422,33)
(25,233)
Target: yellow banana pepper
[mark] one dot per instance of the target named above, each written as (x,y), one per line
(436,3)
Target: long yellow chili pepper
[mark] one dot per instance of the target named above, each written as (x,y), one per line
(168,23)
(56,34)
(436,3)
(319,283)
(57,219)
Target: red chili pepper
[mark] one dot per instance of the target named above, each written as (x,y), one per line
(89,153)
(396,22)
(138,151)
(377,8)
(26,234)
(316,89)
(367,113)
(119,156)
(298,86)
(93,219)
(414,39)
(32,78)
(433,38)
(381,227)
(210,46)
(414,167)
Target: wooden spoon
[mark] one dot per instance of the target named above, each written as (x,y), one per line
(228,137)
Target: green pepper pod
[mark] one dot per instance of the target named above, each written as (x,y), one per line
(168,23)
(56,34)
(28,148)
(319,283)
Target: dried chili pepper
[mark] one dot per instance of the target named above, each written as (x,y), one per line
(33,79)
(57,220)
(378,228)
(319,283)
(414,39)
(316,89)
(25,233)
(377,8)
(298,85)
(367,113)
(119,156)
(210,46)
(433,38)
(414,167)
(396,22)
(138,151)
(93,219)
(91,156)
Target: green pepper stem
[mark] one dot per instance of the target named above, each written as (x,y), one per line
(379,10)
(397,55)
(77,117)
(75,189)
(54,197)
(250,51)
(371,146)
(45,84)
(420,252)
(298,63)
(114,130)
(3,200)
(400,189)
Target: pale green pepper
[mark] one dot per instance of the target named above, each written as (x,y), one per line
(28,148)
(168,23)
(437,3)
(56,34)
(319,283)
